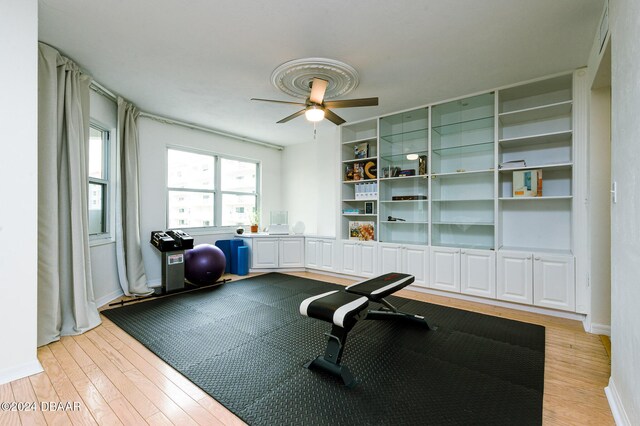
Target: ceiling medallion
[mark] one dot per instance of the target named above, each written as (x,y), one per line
(294,77)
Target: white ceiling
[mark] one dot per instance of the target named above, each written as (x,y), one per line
(201,61)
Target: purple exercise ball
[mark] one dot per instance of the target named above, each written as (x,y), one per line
(204,264)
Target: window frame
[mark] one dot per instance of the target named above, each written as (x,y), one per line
(106,183)
(217,192)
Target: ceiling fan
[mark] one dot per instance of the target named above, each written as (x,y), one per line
(315,108)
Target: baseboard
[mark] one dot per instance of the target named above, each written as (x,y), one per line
(20,371)
(109,297)
(600,329)
(615,403)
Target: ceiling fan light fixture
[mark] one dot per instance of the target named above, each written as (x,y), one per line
(314,114)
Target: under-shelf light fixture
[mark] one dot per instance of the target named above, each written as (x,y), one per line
(412,156)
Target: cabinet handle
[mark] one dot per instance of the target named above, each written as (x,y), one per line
(537,258)
(529,257)
(463,252)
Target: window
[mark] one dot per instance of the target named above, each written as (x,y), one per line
(98,181)
(208,190)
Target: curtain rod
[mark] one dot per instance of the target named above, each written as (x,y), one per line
(97,87)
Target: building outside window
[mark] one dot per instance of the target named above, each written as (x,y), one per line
(98,172)
(207,190)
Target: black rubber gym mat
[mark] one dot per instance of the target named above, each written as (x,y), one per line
(244,343)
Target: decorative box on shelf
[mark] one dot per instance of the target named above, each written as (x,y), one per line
(366,191)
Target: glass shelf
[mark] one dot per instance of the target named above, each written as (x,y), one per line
(464,223)
(358,214)
(412,135)
(402,156)
(462,200)
(403,222)
(484,146)
(404,177)
(460,174)
(404,201)
(464,126)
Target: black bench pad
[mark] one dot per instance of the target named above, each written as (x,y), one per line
(336,307)
(376,289)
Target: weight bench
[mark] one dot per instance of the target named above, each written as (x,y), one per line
(345,308)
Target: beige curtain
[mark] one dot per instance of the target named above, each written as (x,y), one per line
(66,304)
(128,252)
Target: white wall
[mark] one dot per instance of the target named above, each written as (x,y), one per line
(104,276)
(309,184)
(154,139)
(19,188)
(625,214)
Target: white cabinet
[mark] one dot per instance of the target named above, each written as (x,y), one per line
(409,259)
(445,269)
(264,253)
(272,252)
(291,252)
(515,277)
(478,272)
(320,254)
(359,258)
(541,279)
(553,282)
(468,271)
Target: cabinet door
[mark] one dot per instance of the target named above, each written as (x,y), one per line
(445,269)
(291,252)
(416,263)
(553,282)
(326,250)
(349,257)
(265,253)
(478,272)
(514,277)
(312,254)
(390,258)
(367,259)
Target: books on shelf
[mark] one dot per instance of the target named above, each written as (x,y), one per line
(351,211)
(361,150)
(366,191)
(527,183)
(408,197)
(513,164)
(363,231)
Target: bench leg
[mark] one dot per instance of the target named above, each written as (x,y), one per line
(330,362)
(389,312)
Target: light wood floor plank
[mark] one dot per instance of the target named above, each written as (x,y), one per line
(178,396)
(96,403)
(46,393)
(64,388)
(187,386)
(116,357)
(140,402)
(23,392)
(8,417)
(159,419)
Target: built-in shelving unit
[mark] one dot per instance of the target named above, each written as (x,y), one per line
(404,150)
(449,158)
(535,125)
(359,148)
(445,209)
(463,169)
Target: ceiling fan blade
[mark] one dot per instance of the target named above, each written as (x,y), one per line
(350,103)
(333,117)
(280,102)
(292,116)
(318,87)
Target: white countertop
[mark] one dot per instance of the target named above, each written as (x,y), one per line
(267,235)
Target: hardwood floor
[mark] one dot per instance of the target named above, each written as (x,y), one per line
(117,381)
